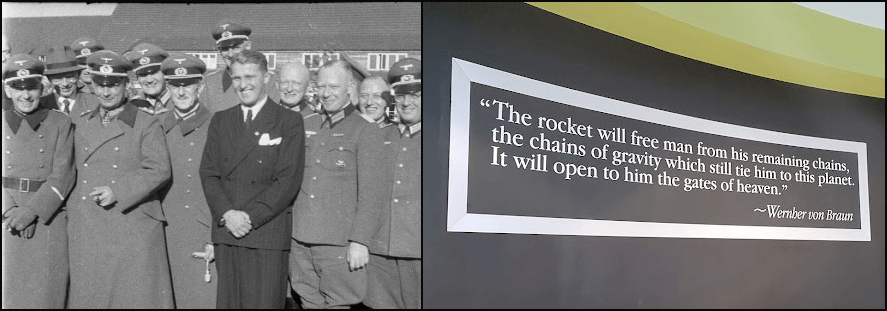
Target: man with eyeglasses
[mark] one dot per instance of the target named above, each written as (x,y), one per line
(393,230)
(231,40)
(146,58)
(64,72)
(115,233)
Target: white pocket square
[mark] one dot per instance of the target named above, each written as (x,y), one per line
(266,140)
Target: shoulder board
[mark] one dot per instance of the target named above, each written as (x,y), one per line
(311,115)
(386,125)
(87,112)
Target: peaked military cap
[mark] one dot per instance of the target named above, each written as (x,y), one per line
(183,69)
(85,46)
(146,58)
(22,70)
(405,76)
(108,68)
(229,34)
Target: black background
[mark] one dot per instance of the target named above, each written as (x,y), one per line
(537,271)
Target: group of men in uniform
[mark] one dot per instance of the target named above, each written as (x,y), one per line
(211,190)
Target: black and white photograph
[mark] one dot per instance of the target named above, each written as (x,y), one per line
(165,155)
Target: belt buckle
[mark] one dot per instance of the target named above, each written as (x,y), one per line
(24,185)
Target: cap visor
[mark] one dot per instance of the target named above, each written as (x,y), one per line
(21,84)
(231,42)
(408,88)
(62,70)
(106,80)
(182,81)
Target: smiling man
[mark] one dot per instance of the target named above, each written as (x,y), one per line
(327,260)
(393,231)
(37,153)
(251,171)
(293,82)
(232,39)
(374,93)
(64,72)
(184,204)
(116,239)
(146,59)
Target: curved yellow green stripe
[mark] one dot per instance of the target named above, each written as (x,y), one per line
(780,41)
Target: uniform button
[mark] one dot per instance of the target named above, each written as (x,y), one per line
(116,148)
(322,143)
(398,182)
(257,133)
(260,161)
(340,148)
(311,196)
(41,165)
(86,164)
(41,150)
(187,191)
(408,202)
(318,161)
(314,178)
(189,176)
(85,182)
(404,148)
(189,160)
(113,181)
(9,166)
(192,143)
(395,200)
(7,137)
(114,166)
(7,151)
(86,148)
(39,136)
(186,206)
(400,165)
(84,198)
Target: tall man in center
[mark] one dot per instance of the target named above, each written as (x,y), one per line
(251,171)
(232,39)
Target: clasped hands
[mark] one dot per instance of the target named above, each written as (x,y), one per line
(20,221)
(237,223)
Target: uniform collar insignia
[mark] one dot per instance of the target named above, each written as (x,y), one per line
(34,119)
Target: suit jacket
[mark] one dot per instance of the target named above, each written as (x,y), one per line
(130,156)
(220,94)
(238,174)
(341,170)
(82,103)
(41,149)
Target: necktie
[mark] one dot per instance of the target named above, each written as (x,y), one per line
(67,104)
(249,117)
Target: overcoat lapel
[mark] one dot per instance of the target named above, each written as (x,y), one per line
(99,135)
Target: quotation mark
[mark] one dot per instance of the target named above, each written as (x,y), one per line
(485,102)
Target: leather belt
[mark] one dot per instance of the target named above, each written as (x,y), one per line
(21,184)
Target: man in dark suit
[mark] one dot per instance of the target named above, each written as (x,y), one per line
(64,72)
(251,171)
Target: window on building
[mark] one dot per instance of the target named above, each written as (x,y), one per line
(314,60)
(383,61)
(272,60)
(210,59)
